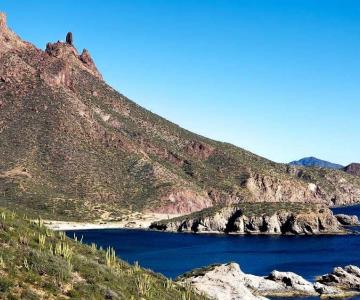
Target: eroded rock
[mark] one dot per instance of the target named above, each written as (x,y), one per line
(347,219)
(255,219)
(345,278)
(220,282)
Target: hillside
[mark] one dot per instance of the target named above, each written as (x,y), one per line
(37,263)
(71,147)
(315,162)
(353,169)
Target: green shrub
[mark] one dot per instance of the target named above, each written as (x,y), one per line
(5,284)
(46,263)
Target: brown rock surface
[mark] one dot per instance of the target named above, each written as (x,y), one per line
(353,169)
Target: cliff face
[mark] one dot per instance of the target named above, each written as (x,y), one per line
(250,218)
(74,148)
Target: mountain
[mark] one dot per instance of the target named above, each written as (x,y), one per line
(72,147)
(353,169)
(315,162)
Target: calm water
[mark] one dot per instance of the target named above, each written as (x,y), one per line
(173,254)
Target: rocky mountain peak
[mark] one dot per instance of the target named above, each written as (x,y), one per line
(69,54)
(69,38)
(3,25)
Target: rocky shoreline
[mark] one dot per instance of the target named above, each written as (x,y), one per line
(255,218)
(229,282)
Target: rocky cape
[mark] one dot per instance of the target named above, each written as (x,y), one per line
(258,218)
(229,282)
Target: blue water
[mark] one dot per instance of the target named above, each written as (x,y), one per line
(348,210)
(173,254)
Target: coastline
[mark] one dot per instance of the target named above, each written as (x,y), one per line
(144,220)
(133,221)
(144,225)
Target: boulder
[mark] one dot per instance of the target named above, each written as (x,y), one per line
(219,282)
(346,278)
(326,290)
(347,219)
(293,283)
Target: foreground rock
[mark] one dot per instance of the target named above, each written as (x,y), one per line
(229,282)
(347,220)
(344,280)
(257,218)
(222,282)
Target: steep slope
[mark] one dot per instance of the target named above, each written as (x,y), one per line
(71,147)
(315,162)
(353,169)
(37,263)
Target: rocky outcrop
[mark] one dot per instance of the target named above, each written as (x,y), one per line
(228,281)
(69,38)
(326,291)
(347,220)
(221,282)
(347,278)
(290,283)
(68,53)
(353,169)
(256,218)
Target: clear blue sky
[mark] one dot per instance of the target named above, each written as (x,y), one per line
(279,78)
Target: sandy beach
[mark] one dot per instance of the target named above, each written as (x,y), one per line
(132,221)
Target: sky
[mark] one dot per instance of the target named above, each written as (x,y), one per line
(278,78)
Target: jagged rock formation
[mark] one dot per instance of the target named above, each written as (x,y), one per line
(353,169)
(347,220)
(341,281)
(87,151)
(255,218)
(228,281)
(69,38)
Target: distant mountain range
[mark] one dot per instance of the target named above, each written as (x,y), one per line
(353,169)
(315,162)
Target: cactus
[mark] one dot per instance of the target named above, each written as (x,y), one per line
(26,264)
(64,250)
(62,235)
(40,222)
(41,240)
(143,284)
(2,263)
(110,257)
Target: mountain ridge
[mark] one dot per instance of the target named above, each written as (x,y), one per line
(72,147)
(312,161)
(353,169)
